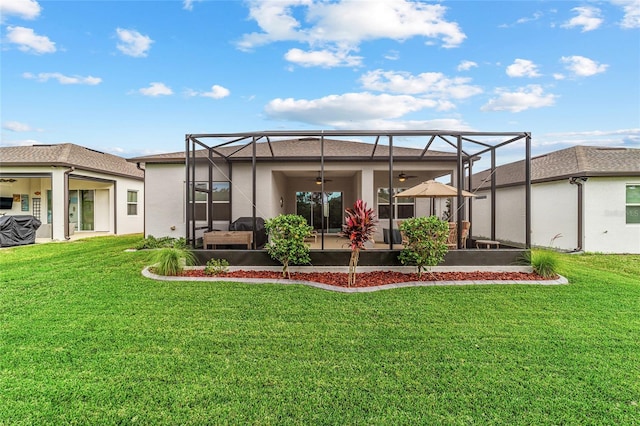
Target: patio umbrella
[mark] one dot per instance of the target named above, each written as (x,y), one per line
(433,189)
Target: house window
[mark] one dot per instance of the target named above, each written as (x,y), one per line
(132,203)
(633,203)
(404,208)
(220,198)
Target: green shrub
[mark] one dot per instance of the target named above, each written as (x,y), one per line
(286,240)
(427,242)
(544,262)
(216,267)
(171,261)
(152,242)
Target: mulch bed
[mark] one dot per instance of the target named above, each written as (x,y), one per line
(371,279)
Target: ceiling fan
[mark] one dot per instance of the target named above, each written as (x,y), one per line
(318,180)
(402,176)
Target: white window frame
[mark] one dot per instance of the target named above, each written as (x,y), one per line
(398,202)
(635,205)
(132,203)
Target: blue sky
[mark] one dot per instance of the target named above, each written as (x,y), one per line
(133,77)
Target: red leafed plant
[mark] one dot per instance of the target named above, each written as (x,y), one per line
(359,227)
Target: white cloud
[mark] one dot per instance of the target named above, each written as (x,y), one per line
(583,67)
(25,9)
(16,126)
(216,92)
(350,107)
(132,43)
(344,25)
(631,10)
(466,65)
(629,138)
(322,58)
(28,41)
(156,89)
(524,20)
(524,98)
(587,17)
(188,4)
(523,68)
(392,55)
(430,84)
(63,79)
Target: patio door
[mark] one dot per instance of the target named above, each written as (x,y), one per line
(81,209)
(310,206)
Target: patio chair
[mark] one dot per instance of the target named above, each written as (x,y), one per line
(466,225)
(405,240)
(452,240)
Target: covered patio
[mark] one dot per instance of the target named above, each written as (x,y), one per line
(319,173)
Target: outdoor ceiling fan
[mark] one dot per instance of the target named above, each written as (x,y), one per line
(318,180)
(402,176)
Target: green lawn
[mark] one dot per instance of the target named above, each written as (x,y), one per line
(85,339)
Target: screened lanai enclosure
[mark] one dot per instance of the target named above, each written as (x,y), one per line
(250,177)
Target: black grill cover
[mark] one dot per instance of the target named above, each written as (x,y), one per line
(246,224)
(18,230)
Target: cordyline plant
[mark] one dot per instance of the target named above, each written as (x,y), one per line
(286,241)
(359,227)
(426,242)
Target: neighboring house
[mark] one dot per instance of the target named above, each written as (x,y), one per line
(582,198)
(286,177)
(70,189)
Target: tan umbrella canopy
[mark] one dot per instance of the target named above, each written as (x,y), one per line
(433,189)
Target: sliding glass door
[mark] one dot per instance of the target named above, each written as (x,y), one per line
(310,206)
(81,205)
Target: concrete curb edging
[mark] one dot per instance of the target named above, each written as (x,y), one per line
(148,274)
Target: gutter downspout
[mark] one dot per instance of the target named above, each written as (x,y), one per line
(579,182)
(144,187)
(66,202)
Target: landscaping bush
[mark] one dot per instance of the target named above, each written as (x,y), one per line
(216,267)
(544,262)
(359,228)
(286,240)
(171,260)
(427,242)
(152,242)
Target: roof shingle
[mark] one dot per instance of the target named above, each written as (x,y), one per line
(68,155)
(578,161)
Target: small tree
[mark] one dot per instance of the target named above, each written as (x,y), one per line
(427,242)
(286,240)
(359,227)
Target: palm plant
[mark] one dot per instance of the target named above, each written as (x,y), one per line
(359,228)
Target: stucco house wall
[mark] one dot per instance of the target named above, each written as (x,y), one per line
(605,227)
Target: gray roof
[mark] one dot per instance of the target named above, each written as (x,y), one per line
(577,161)
(303,149)
(68,155)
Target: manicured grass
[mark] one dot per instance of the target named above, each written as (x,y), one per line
(85,339)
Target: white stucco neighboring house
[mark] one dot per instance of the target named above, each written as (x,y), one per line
(70,189)
(582,199)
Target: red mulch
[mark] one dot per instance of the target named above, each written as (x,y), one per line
(371,279)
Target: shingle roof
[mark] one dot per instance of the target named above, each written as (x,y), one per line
(68,155)
(577,161)
(303,148)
